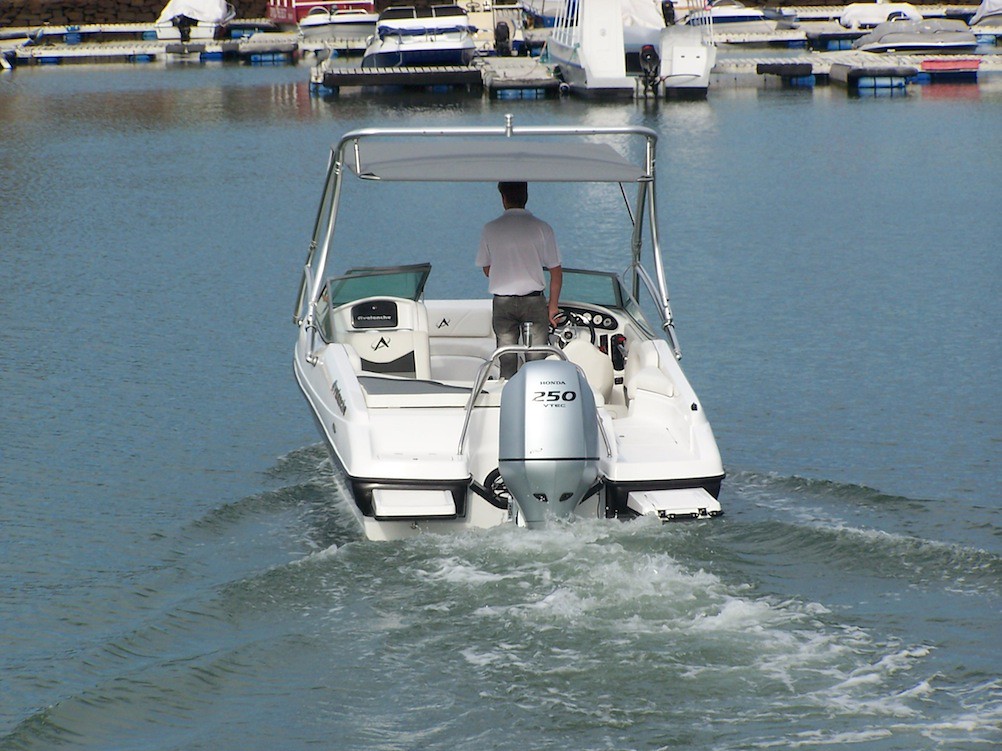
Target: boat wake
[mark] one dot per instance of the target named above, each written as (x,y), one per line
(861,530)
(621,626)
(718,634)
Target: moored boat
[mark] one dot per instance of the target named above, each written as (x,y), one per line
(421,36)
(942,35)
(870,15)
(988,16)
(605,48)
(193,20)
(406,390)
(588,49)
(732,16)
(674,58)
(287,14)
(346,20)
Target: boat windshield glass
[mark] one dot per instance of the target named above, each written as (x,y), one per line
(595,287)
(399,281)
(602,288)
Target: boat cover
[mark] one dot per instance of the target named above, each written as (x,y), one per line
(644,13)
(945,32)
(871,14)
(209,11)
(491,161)
(987,8)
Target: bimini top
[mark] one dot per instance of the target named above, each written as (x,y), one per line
(417,155)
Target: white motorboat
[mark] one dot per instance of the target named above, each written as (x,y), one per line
(675,58)
(404,388)
(610,47)
(344,21)
(588,49)
(870,15)
(193,20)
(732,17)
(940,35)
(421,35)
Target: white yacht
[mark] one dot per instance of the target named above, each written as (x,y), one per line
(406,389)
(604,48)
(732,16)
(352,20)
(421,35)
(869,15)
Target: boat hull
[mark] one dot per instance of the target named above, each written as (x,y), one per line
(920,46)
(423,431)
(417,37)
(433,489)
(352,28)
(943,36)
(417,55)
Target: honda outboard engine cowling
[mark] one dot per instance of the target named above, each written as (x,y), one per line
(548,443)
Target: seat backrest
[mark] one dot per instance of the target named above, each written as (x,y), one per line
(390,335)
(641,354)
(399,353)
(597,366)
(461,337)
(643,371)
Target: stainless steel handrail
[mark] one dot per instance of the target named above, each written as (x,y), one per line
(347,148)
(481,378)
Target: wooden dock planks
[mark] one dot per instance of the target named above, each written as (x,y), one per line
(446,75)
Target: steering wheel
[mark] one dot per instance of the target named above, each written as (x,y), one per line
(570,326)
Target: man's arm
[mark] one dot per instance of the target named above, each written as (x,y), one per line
(487,271)
(556,281)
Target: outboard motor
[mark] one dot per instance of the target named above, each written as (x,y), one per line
(650,66)
(548,443)
(502,39)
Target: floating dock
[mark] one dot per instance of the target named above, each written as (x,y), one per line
(137,43)
(501,77)
(517,77)
(817,52)
(849,68)
(334,78)
(145,52)
(872,76)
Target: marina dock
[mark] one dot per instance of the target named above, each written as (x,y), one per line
(335,77)
(502,77)
(137,43)
(816,52)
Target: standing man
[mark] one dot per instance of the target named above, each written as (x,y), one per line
(514,250)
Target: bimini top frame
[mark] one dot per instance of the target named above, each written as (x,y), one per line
(492,154)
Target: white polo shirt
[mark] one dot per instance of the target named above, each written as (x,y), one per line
(517,246)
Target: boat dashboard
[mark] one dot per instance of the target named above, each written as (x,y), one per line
(598,318)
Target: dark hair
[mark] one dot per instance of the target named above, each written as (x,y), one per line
(514,194)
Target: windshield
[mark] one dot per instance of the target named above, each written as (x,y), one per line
(595,287)
(400,281)
(601,288)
